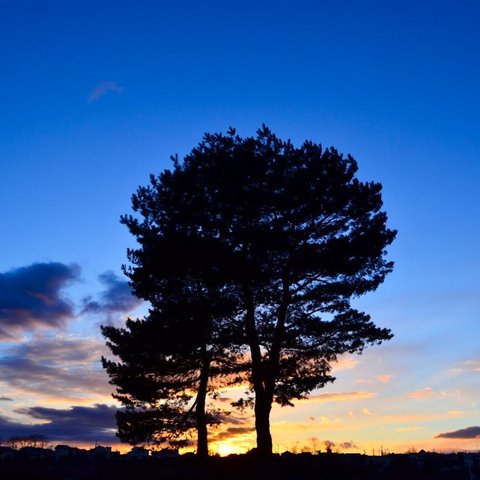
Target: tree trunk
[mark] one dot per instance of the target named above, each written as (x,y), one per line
(263,402)
(200,413)
(263,407)
(264,374)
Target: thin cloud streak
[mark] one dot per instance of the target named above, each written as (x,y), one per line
(56,368)
(102,89)
(424,393)
(464,433)
(336,397)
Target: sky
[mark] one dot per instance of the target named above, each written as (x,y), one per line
(96,96)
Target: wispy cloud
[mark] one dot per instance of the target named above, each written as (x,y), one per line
(116,298)
(456,413)
(56,368)
(345,362)
(382,378)
(31,297)
(427,392)
(469,366)
(464,433)
(232,432)
(102,89)
(335,397)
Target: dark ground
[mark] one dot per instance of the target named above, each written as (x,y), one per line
(426,466)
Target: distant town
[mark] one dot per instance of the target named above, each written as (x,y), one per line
(64,462)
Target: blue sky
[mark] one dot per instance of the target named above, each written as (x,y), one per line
(95,96)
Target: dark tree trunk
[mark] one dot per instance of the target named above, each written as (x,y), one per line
(264,374)
(200,413)
(263,401)
(263,407)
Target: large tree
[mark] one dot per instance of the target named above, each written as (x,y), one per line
(289,234)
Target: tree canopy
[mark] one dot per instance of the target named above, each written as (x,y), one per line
(285,237)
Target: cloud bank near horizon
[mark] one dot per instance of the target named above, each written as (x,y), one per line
(464,433)
(75,424)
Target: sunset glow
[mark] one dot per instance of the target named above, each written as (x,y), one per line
(96,96)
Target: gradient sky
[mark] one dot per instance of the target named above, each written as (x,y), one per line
(95,96)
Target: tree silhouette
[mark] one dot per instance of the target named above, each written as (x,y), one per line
(21,441)
(174,357)
(288,235)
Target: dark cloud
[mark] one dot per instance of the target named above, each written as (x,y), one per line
(30,297)
(234,418)
(231,432)
(76,424)
(6,399)
(464,433)
(116,298)
(57,367)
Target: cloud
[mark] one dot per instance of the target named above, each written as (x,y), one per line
(231,432)
(383,378)
(464,433)
(75,424)
(6,399)
(102,89)
(456,413)
(424,393)
(341,397)
(116,298)
(56,368)
(345,362)
(30,297)
(470,366)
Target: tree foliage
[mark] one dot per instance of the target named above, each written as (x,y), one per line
(171,360)
(286,237)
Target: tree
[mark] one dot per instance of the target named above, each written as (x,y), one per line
(152,384)
(170,359)
(289,234)
(21,441)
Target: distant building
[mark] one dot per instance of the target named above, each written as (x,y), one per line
(33,453)
(138,452)
(65,451)
(6,453)
(101,452)
(166,453)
